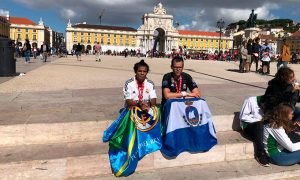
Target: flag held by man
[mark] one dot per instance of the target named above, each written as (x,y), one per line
(132,136)
(188,127)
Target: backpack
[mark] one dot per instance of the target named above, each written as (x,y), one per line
(24,48)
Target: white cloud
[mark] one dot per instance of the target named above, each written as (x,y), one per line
(3,12)
(67,13)
(191,14)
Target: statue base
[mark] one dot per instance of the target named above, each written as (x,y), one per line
(251,32)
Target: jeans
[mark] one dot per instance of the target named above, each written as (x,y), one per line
(242,65)
(98,56)
(285,158)
(285,63)
(296,114)
(45,54)
(27,56)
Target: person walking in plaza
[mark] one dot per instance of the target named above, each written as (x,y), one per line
(98,50)
(34,51)
(252,126)
(243,56)
(255,51)
(262,49)
(278,146)
(78,51)
(285,55)
(44,50)
(249,56)
(27,50)
(176,83)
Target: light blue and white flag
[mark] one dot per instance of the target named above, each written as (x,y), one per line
(188,127)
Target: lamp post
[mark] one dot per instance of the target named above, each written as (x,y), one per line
(220,24)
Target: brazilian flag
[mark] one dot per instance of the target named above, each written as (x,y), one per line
(132,136)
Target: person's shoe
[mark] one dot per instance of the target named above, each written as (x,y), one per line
(262,160)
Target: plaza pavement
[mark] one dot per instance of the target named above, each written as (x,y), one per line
(52,120)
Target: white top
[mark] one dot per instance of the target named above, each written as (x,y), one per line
(282,141)
(131,91)
(250,111)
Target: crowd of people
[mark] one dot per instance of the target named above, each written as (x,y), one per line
(269,120)
(261,55)
(29,50)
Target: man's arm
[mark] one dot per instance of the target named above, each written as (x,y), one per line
(170,95)
(192,85)
(195,93)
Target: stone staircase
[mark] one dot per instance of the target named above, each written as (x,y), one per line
(58,135)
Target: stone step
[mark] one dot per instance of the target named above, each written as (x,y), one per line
(97,167)
(90,158)
(65,127)
(247,169)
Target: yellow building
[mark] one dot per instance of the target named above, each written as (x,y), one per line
(157,32)
(23,28)
(111,37)
(203,41)
(294,41)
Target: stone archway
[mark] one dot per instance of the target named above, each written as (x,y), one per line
(159,40)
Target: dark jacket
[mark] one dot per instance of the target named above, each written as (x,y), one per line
(47,48)
(28,46)
(249,48)
(276,93)
(255,48)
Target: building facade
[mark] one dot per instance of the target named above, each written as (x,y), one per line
(294,41)
(157,32)
(23,28)
(37,33)
(4,27)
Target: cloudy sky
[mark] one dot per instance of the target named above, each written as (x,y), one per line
(191,14)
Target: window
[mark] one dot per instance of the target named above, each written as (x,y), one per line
(27,37)
(19,36)
(34,30)
(34,37)
(26,30)
(81,33)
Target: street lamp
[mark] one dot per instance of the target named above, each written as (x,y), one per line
(220,24)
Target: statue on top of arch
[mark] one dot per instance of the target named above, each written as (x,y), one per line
(159,9)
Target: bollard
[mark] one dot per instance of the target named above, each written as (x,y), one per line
(7,61)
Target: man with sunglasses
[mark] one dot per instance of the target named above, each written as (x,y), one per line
(175,84)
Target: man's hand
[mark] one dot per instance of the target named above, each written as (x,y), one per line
(145,107)
(195,94)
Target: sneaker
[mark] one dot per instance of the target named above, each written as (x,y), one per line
(262,160)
